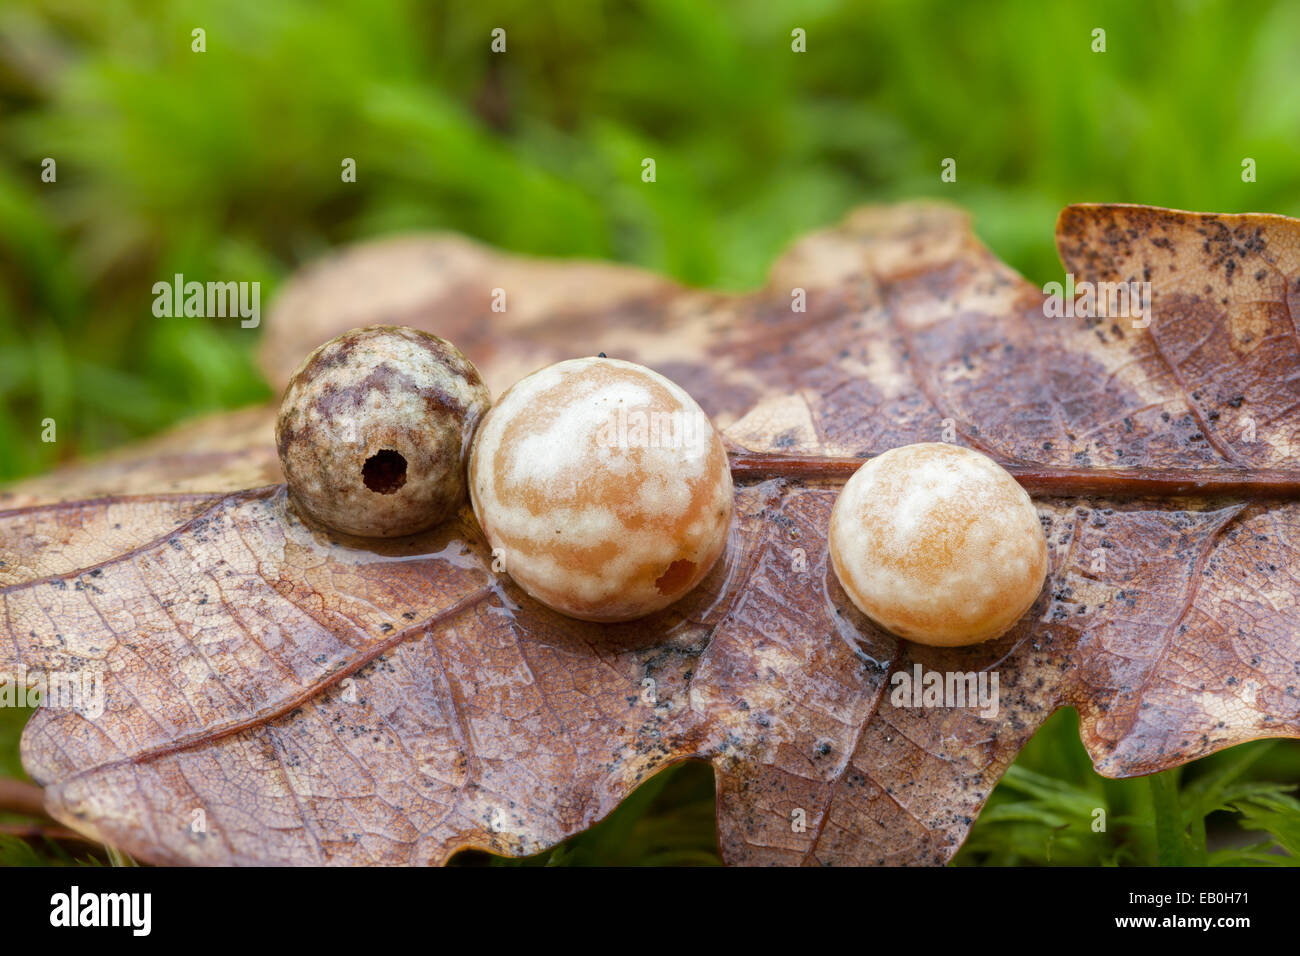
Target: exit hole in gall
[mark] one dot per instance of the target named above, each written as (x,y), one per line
(384,472)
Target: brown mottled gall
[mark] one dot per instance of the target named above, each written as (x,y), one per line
(374,431)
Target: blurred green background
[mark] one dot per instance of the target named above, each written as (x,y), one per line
(226,164)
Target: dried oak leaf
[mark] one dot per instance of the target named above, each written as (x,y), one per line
(336,701)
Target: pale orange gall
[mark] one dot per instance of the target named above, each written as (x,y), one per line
(374,431)
(938,544)
(603,487)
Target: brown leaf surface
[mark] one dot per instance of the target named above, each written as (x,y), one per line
(337,701)
(224,452)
